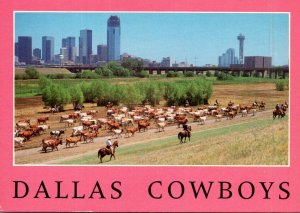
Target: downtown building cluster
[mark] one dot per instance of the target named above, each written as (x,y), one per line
(228,59)
(69,52)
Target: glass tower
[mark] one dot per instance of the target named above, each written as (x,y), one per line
(85,46)
(113,38)
(25,49)
(48,49)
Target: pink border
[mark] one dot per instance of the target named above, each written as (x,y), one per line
(135,180)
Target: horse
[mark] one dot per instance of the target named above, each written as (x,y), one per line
(184,134)
(104,151)
(280,113)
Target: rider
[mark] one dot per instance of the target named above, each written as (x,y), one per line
(277,107)
(185,127)
(108,144)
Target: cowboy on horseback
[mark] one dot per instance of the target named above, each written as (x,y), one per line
(186,128)
(277,107)
(217,103)
(108,144)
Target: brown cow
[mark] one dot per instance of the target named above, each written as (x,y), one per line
(131,130)
(51,142)
(73,140)
(182,122)
(89,137)
(27,134)
(143,125)
(42,120)
(231,114)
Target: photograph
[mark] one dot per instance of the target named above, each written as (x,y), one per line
(151,88)
(149,106)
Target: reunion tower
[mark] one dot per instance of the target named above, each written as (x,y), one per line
(241,39)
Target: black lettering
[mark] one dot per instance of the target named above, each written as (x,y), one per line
(266,189)
(44,191)
(150,190)
(206,193)
(181,188)
(17,195)
(284,190)
(99,191)
(222,189)
(252,190)
(116,190)
(76,192)
(58,190)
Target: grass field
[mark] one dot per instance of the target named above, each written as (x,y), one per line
(256,142)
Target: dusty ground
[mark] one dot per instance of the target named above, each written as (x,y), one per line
(33,107)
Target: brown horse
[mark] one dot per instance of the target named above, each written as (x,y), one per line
(280,113)
(105,151)
(184,134)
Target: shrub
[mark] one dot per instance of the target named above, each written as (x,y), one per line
(280,85)
(189,74)
(224,76)
(143,74)
(208,74)
(172,74)
(104,71)
(55,95)
(32,73)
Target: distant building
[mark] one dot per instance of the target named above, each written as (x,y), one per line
(37,52)
(227,58)
(64,57)
(258,62)
(25,49)
(102,52)
(113,39)
(48,49)
(69,43)
(93,59)
(166,62)
(85,46)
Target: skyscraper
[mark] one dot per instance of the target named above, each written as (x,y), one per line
(48,49)
(241,39)
(102,52)
(228,58)
(113,38)
(85,46)
(69,43)
(25,49)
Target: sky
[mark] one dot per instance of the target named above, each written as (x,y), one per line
(196,38)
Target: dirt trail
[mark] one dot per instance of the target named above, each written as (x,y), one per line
(35,156)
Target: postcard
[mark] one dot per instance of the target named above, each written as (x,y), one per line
(165,106)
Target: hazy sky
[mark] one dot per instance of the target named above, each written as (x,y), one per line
(191,37)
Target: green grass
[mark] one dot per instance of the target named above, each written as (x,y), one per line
(258,142)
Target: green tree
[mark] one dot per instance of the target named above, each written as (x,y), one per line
(32,73)
(76,95)
(133,64)
(132,96)
(55,95)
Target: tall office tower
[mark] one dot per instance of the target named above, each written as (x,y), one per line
(227,58)
(48,49)
(85,46)
(102,52)
(69,43)
(241,39)
(113,38)
(37,53)
(166,62)
(25,49)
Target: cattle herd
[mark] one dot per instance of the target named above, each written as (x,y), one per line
(120,121)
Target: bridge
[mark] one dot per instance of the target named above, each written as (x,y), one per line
(263,72)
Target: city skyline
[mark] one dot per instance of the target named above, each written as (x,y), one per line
(198,38)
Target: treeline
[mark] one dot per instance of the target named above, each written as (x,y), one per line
(196,91)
